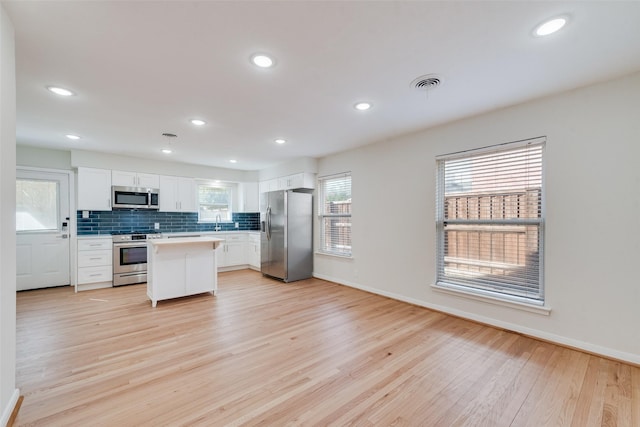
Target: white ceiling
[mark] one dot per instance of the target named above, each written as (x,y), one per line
(141,68)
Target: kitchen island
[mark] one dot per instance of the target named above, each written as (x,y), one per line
(181,266)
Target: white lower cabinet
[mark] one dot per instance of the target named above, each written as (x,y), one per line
(239,250)
(232,251)
(95,260)
(181,267)
(253,251)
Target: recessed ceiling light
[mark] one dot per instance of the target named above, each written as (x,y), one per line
(198,122)
(280,141)
(362,106)
(60,91)
(70,136)
(550,26)
(261,60)
(233,161)
(166,151)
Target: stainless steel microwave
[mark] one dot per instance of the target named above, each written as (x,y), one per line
(134,198)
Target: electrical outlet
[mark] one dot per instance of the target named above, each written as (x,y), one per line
(156,226)
(85,214)
(237,225)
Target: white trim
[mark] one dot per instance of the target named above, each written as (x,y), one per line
(72,227)
(8,410)
(492,148)
(502,301)
(534,333)
(318,252)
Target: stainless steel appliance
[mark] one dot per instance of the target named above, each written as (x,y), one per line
(130,257)
(286,244)
(134,198)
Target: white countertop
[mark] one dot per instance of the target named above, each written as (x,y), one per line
(184,240)
(208,233)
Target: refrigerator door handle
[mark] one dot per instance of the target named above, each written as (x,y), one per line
(269,223)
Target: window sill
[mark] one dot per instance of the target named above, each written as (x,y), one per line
(213,222)
(333,255)
(518,305)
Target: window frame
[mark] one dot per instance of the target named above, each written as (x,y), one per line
(446,284)
(56,197)
(323,216)
(228,189)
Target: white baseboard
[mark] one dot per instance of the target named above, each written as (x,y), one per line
(8,410)
(535,333)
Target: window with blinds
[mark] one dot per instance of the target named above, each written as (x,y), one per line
(335,214)
(490,221)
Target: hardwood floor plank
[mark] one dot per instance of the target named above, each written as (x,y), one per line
(312,352)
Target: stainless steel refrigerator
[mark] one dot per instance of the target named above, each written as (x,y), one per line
(286,237)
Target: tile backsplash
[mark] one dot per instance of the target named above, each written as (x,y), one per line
(125,221)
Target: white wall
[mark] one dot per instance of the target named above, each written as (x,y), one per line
(592,235)
(43,157)
(8,392)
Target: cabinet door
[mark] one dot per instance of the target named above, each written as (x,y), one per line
(235,253)
(148,180)
(269,185)
(124,178)
(134,179)
(297,180)
(173,272)
(250,197)
(169,194)
(200,274)
(253,254)
(187,195)
(94,189)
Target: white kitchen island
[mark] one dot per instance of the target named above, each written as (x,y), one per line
(181,266)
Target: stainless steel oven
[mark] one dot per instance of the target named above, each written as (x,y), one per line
(130,258)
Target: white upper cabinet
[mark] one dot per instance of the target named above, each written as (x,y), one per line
(187,194)
(250,201)
(134,179)
(298,180)
(290,182)
(269,185)
(94,189)
(177,194)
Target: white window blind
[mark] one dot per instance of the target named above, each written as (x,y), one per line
(490,221)
(335,214)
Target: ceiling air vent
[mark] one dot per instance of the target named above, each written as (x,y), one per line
(426,82)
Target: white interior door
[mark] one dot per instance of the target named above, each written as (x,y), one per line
(42,229)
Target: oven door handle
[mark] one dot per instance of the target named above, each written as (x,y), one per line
(130,244)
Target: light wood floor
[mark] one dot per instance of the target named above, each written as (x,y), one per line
(307,353)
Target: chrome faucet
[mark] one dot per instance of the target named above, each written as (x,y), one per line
(218,219)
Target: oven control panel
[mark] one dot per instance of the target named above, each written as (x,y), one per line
(118,238)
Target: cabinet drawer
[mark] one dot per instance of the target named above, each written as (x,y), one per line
(254,238)
(94,258)
(94,274)
(235,237)
(94,244)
